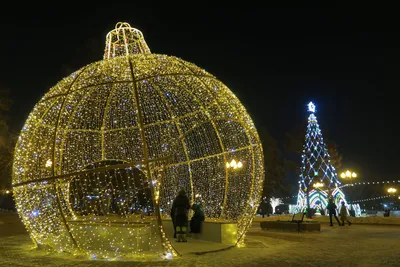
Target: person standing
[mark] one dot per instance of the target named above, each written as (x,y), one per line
(264,208)
(180,211)
(332,211)
(197,219)
(343,214)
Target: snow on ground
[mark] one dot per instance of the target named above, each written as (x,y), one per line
(355,246)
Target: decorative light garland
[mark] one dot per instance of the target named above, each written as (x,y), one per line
(289,197)
(103,154)
(372,198)
(372,183)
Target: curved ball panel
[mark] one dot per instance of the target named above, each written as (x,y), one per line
(172,120)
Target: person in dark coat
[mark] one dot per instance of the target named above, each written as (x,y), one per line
(332,211)
(197,219)
(264,208)
(180,210)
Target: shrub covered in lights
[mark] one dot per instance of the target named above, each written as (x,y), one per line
(104,152)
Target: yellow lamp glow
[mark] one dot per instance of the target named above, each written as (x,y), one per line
(233,164)
(392,190)
(318,185)
(348,174)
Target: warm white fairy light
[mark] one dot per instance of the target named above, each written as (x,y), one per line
(104,152)
(49,163)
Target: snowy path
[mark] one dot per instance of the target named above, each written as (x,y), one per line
(357,245)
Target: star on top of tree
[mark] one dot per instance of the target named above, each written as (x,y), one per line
(311,107)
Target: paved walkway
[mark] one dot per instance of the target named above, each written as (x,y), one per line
(325,219)
(354,246)
(198,247)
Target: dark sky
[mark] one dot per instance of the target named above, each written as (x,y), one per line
(274,60)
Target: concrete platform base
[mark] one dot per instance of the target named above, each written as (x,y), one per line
(213,231)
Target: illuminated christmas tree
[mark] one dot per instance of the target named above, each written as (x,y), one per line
(318,178)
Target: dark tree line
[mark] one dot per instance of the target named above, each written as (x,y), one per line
(8,139)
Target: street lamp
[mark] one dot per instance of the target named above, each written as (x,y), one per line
(233,164)
(349,175)
(318,185)
(392,190)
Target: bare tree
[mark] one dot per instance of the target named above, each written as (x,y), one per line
(273,162)
(274,203)
(336,158)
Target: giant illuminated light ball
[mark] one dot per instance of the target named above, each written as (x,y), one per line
(103,154)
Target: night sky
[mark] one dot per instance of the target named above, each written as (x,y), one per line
(274,60)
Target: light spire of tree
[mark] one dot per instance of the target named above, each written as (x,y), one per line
(316,165)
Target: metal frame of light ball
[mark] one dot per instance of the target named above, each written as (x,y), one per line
(54,181)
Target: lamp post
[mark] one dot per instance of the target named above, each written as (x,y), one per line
(349,175)
(391,191)
(236,166)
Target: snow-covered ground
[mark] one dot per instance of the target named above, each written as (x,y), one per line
(357,245)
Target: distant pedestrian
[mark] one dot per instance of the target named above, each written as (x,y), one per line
(332,211)
(264,208)
(343,214)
